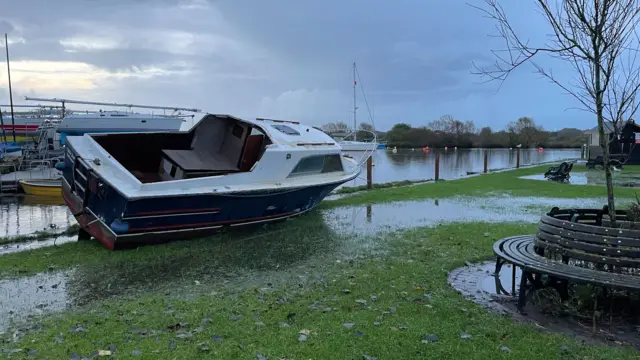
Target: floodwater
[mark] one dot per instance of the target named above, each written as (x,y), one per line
(596,177)
(293,252)
(419,165)
(26,215)
(32,296)
(371,219)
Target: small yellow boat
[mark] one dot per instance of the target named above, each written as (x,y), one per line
(49,188)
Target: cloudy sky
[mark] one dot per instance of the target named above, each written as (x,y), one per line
(285,59)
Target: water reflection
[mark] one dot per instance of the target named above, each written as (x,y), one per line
(416,164)
(25,215)
(360,221)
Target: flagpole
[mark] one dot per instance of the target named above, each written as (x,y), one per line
(13,122)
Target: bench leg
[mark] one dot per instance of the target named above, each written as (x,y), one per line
(522,292)
(499,288)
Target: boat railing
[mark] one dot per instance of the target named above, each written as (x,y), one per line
(9,177)
(373,145)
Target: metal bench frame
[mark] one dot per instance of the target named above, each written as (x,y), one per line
(581,238)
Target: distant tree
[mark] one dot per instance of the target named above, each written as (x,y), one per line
(485,137)
(525,131)
(366,126)
(334,127)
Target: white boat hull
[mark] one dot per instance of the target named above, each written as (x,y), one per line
(357,146)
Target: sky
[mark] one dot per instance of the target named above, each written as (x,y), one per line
(282,59)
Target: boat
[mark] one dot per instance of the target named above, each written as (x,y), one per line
(102,121)
(355,145)
(10,150)
(223,172)
(116,121)
(45,188)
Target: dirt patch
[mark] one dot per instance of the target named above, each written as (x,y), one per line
(477,283)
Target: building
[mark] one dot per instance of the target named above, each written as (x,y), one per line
(622,142)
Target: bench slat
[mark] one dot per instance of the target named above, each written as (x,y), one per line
(519,250)
(587,237)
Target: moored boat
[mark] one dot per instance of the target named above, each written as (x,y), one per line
(46,188)
(151,187)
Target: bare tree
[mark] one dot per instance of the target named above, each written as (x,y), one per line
(599,39)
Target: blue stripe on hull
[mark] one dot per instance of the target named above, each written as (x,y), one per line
(170,213)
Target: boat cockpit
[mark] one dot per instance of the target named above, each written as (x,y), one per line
(217,145)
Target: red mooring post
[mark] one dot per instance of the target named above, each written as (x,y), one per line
(486,160)
(518,158)
(369,173)
(437,177)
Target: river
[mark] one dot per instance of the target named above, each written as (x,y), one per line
(420,165)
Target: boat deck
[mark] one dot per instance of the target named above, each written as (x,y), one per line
(9,181)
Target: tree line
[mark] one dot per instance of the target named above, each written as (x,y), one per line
(450,132)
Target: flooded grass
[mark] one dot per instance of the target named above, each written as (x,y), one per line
(40,235)
(363,281)
(508,182)
(396,306)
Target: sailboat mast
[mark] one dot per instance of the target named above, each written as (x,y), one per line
(13,122)
(355,124)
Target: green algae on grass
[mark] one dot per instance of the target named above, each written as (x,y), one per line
(354,189)
(40,235)
(393,302)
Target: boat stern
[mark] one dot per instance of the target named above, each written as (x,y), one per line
(95,204)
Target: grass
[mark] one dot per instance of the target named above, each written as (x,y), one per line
(507,182)
(412,301)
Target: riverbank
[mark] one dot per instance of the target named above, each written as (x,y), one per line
(363,277)
(498,183)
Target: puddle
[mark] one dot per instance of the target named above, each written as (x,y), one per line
(477,283)
(371,219)
(24,215)
(33,295)
(11,248)
(620,179)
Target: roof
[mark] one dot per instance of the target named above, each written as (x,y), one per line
(283,132)
(608,126)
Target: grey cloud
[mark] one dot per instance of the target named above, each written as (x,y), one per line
(285,58)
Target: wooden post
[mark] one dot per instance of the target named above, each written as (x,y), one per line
(369,173)
(437,176)
(486,158)
(518,158)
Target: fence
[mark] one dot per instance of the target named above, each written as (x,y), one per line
(436,177)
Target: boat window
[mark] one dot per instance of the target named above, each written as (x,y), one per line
(286,129)
(317,164)
(332,163)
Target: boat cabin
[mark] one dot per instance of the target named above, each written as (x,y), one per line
(217,145)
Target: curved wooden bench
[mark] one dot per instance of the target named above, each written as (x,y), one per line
(610,256)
